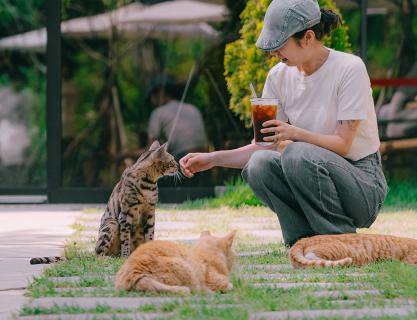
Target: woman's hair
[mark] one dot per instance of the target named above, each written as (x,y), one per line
(328,22)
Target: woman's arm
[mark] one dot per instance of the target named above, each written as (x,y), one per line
(340,142)
(236,158)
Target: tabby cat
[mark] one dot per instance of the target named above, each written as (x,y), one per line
(130,214)
(351,249)
(164,266)
(129,218)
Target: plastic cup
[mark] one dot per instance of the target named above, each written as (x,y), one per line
(263,109)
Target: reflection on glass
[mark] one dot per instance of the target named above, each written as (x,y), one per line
(124,76)
(22,95)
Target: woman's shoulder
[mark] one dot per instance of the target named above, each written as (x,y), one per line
(347,60)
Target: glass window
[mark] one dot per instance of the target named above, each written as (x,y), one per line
(22,94)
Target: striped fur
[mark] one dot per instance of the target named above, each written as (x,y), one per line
(46,260)
(129,218)
(351,249)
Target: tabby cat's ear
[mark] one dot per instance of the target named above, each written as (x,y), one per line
(164,147)
(155,145)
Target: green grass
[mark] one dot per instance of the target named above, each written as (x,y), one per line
(238,194)
(402,195)
(396,279)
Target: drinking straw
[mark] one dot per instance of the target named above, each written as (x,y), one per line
(252,89)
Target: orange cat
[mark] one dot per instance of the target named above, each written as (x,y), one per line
(164,266)
(351,249)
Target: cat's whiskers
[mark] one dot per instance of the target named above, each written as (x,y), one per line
(177,178)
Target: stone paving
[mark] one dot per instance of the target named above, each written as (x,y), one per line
(27,231)
(343,294)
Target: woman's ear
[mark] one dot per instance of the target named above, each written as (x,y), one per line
(309,37)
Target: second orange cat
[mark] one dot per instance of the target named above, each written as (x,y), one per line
(164,266)
(351,249)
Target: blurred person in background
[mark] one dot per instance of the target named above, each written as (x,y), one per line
(182,123)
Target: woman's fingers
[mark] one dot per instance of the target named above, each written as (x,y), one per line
(271,123)
(184,165)
(185,159)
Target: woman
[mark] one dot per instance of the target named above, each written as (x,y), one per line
(330,179)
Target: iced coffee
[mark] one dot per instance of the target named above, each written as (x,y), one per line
(263,110)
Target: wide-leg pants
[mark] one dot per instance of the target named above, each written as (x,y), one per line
(315,191)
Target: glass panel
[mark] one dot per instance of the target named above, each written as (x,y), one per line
(22,94)
(117,73)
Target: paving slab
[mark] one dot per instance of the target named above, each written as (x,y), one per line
(77,279)
(110,290)
(28,232)
(386,302)
(300,276)
(92,302)
(253,253)
(291,285)
(345,293)
(102,316)
(248,225)
(11,302)
(262,233)
(336,313)
(252,267)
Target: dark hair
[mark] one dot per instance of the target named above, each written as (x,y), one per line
(169,86)
(328,22)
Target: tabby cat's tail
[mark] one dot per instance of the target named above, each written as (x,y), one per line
(46,260)
(298,259)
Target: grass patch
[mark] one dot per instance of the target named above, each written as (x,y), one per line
(396,279)
(402,195)
(237,194)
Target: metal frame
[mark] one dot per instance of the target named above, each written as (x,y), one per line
(364,31)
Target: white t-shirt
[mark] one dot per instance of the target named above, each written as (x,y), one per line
(339,90)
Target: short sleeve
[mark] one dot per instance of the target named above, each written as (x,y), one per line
(271,91)
(154,127)
(354,92)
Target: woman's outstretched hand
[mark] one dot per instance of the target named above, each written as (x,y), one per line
(196,162)
(282,131)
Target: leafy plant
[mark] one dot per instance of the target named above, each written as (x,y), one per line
(244,63)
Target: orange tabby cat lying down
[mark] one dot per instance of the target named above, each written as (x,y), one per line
(164,266)
(351,249)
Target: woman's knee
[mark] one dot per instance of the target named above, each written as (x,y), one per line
(297,154)
(259,166)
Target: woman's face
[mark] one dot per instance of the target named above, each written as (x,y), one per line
(292,53)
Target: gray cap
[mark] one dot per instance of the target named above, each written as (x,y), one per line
(284,18)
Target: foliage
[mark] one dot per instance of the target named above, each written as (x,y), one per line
(402,195)
(244,63)
(238,194)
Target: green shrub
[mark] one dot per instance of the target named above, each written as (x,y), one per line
(244,63)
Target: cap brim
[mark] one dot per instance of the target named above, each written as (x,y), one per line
(265,43)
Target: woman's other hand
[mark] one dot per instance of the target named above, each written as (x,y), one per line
(281,146)
(196,162)
(281,131)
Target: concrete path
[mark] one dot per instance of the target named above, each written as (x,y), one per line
(25,232)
